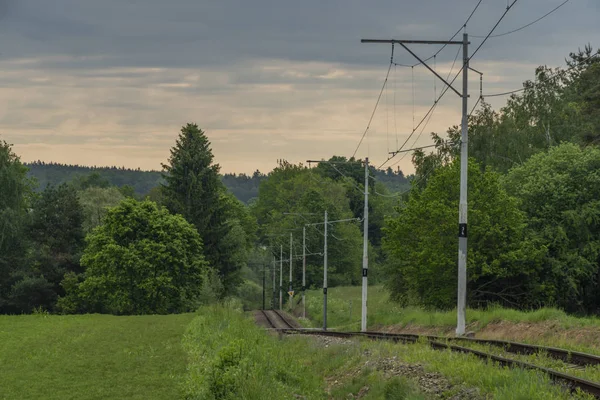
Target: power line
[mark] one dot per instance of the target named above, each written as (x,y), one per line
(558,74)
(508,7)
(435,105)
(377,103)
(431,109)
(527,25)
(442,94)
(453,36)
(475,106)
(414,180)
(492,31)
(395,125)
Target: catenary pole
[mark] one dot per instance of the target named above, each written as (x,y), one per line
(325,276)
(304,271)
(290,286)
(462,210)
(281,277)
(365,266)
(273,301)
(464,162)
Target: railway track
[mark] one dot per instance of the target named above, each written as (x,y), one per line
(276,320)
(568,356)
(439,343)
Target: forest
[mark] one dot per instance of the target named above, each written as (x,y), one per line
(76,239)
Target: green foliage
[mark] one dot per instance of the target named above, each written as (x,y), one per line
(142,260)
(32,292)
(584,91)
(352,174)
(250,293)
(559,192)
(15,199)
(94,179)
(502,262)
(231,358)
(95,202)
(57,240)
(244,187)
(86,357)
(56,220)
(83,177)
(557,106)
(306,195)
(193,189)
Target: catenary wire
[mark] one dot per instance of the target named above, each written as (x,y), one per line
(376,103)
(527,25)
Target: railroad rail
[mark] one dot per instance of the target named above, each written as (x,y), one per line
(568,356)
(276,320)
(570,381)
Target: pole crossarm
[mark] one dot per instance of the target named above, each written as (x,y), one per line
(432,70)
(403,44)
(412,41)
(331,222)
(417,148)
(333,162)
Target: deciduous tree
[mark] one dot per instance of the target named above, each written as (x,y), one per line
(141,260)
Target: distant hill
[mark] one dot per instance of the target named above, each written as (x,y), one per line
(55,174)
(243,186)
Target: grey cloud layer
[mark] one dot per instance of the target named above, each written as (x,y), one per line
(267,79)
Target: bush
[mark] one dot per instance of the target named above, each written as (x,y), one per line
(142,260)
(231,358)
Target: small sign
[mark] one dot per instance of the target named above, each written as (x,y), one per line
(291,293)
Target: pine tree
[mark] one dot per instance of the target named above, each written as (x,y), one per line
(193,189)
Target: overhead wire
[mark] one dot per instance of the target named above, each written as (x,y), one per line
(435,105)
(415,180)
(492,30)
(376,103)
(392,62)
(475,106)
(387,118)
(426,116)
(447,87)
(453,36)
(395,125)
(556,75)
(413,98)
(527,25)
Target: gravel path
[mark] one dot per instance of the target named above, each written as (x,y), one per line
(433,385)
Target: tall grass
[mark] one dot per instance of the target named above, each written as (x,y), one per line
(344,312)
(499,383)
(229,357)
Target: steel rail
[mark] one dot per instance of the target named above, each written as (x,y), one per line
(568,356)
(572,382)
(285,321)
(269,320)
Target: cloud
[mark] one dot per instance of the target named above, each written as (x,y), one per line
(112,82)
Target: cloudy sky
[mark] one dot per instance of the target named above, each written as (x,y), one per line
(111,82)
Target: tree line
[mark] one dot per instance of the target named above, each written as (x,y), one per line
(87,245)
(534,227)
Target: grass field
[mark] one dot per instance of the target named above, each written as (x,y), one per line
(92,356)
(219,353)
(545,326)
(231,358)
(344,311)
